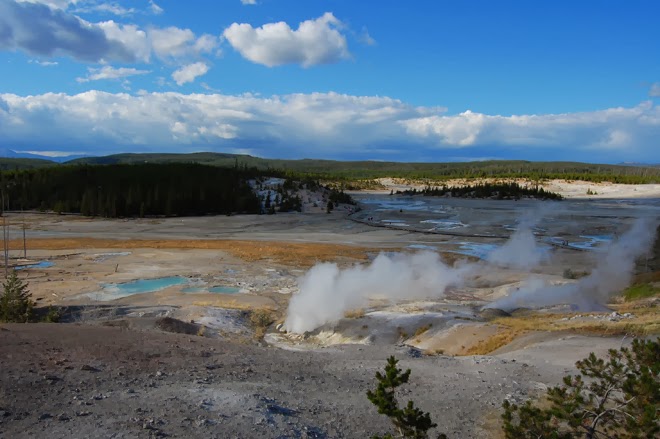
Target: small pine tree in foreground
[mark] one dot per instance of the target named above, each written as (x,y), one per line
(408,422)
(15,300)
(617,397)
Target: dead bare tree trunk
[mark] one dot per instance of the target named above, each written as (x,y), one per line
(5,235)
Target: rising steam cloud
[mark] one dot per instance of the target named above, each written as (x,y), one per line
(613,272)
(326,292)
(521,250)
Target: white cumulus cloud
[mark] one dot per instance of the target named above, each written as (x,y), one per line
(54,4)
(155,9)
(317,41)
(48,29)
(189,73)
(105,8)
(109,72)
(171,41)
(43,63)
(41,30)
(129,36)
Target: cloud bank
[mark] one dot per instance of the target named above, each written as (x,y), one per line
(327,125)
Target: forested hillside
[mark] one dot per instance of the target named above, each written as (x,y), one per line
(358,170)
(12,164)
(347,170)
(132,190)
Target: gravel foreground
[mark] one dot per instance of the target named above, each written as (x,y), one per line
(81,381)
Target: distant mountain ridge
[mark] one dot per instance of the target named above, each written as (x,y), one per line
(365,169)
(10,153)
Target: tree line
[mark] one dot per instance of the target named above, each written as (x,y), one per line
(500,191)
(350,171)
(175,189)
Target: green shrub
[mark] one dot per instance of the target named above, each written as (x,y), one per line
(640,291)
(15,301)
(408,422)
(53,315)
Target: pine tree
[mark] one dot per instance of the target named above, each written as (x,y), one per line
(614,398)
(15,302)
(409,422)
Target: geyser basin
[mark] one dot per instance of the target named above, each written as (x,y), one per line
(140,286)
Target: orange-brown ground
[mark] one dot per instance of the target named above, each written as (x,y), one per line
(300,254)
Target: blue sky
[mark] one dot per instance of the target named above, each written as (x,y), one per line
(391,80)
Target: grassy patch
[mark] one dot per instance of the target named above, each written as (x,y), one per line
(640,291)
(502,338)
(646,321)
(434,352)
(422,329)
(354,313)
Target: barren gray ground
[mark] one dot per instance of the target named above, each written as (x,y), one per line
(81,381)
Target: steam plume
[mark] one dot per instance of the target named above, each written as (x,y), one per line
(326,291)
(520,251)
(613,273)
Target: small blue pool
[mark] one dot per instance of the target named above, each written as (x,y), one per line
(140,286)
(42,264)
